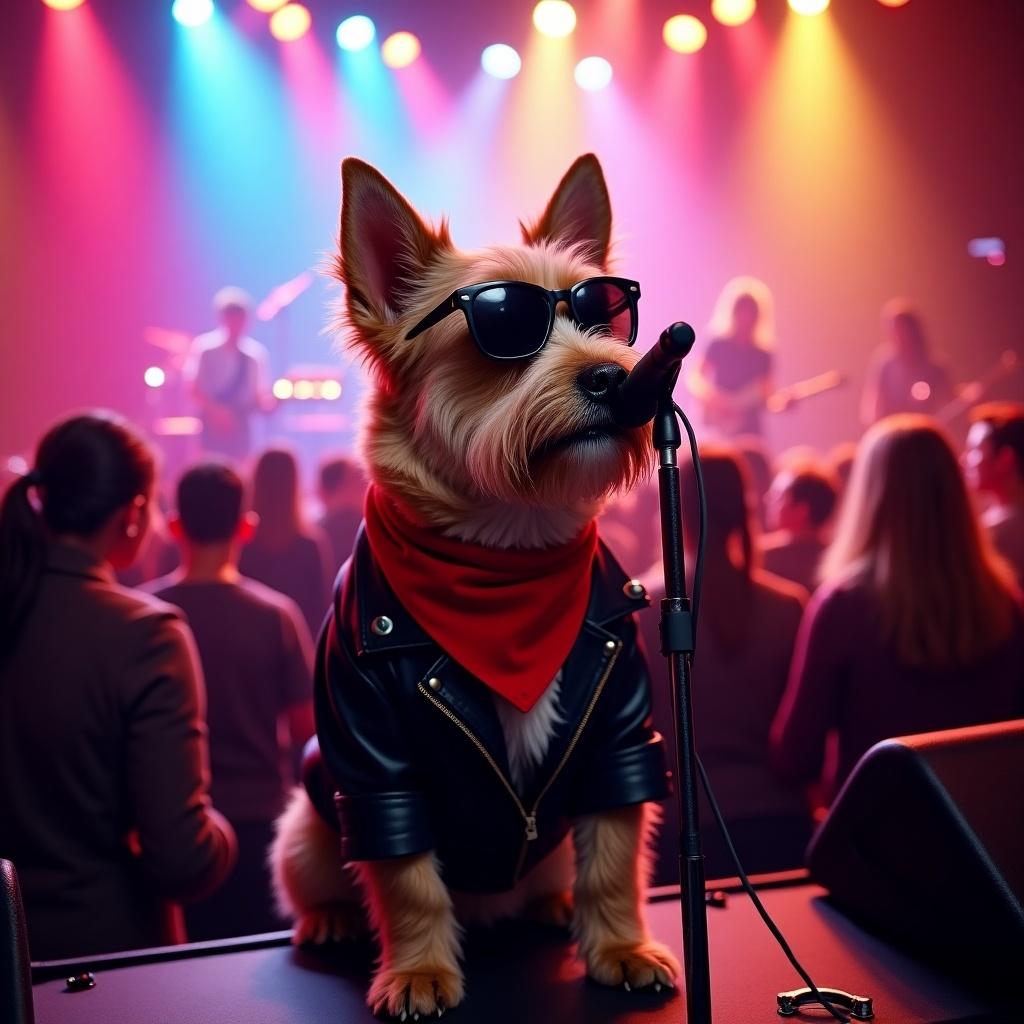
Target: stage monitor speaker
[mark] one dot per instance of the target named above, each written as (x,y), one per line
(925,845)
(15,969)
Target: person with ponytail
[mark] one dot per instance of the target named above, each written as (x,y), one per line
(917,626)
(745,636)
(103,759)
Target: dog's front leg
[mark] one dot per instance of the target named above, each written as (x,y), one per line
(611,874)
(411,911)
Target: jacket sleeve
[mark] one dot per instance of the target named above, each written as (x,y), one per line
(185,846)
(810,705)
(623,762)
(382,810)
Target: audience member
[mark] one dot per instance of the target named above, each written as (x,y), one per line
(285,554)
(840,462)
(745,636)
(103,757)
(995,468)
(800,506)
(916,626)
(258,662)
(758,460)
(342,488)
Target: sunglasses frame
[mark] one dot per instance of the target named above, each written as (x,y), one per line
(462,298)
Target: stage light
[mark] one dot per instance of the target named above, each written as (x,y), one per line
(303,390)
(289,23)
(192,13)
(154,377)
(330,390)
(554,18)
(684,33)
(282,389)
(501,61)
(266,6)
(733,12)
(808,7)
(593,73)
(920,391)
(356,33)
(894,3)
(63,5)
(400,50)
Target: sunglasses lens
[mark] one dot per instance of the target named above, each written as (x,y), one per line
(511,321)
(606,308)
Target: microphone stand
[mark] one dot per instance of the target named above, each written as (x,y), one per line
(677,641)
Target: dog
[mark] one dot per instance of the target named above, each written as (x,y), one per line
(482,706)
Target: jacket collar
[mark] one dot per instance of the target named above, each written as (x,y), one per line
(384,625)
(71,560)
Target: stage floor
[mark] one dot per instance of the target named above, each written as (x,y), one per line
(519,973)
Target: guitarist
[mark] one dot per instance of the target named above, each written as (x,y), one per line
(903,375)
(734,378)
(230,378)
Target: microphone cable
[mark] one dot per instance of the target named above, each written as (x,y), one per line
(698,582)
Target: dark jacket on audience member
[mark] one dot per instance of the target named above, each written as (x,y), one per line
(847,677)
(103,776)
(301,570)
(735,695)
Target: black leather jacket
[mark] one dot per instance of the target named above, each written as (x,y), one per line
(412,749)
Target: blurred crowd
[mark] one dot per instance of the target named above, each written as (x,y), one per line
(157,647)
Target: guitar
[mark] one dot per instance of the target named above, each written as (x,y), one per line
(725,411)
(972,393)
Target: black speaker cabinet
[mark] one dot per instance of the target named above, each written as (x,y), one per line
(925,845)
(15,973)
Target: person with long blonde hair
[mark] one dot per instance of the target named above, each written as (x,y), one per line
(733,378)
(917,625)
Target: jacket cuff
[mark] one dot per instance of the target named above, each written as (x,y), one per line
(632,775)
(378,826)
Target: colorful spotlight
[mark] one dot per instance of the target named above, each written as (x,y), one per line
(593,73)
(894,3)
(330,390)
(266,6)
(283,389)
(808,7)
(154,377)
(63,5)
(400,50)
(685,34)
(290,22)
(501,61)
(733,12)
(554,18)
(356,33)
(192,13)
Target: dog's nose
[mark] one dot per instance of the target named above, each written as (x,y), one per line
(600,382)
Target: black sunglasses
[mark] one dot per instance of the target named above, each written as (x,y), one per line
(513,319)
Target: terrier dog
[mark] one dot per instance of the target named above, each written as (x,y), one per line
(482,707)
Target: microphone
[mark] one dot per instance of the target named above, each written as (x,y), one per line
(653,378)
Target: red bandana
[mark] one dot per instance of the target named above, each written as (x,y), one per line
(508,617)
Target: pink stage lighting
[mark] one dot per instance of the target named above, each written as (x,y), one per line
(63,5)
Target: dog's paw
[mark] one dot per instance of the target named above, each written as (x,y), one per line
(334,922)
(640,965)
(410,995)
(555,910)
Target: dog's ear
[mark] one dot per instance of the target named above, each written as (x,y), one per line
(384,245)
(579,212)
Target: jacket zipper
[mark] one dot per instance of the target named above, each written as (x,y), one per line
(529,819)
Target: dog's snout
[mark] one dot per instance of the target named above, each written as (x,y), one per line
(599,383)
